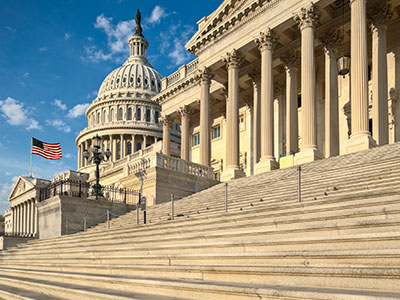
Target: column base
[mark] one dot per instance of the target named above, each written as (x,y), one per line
(360,142)
(232,173)
(307,155)
(265,165)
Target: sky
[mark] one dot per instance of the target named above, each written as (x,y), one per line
(54,55)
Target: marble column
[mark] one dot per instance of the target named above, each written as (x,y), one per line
(205,144)
(14,226)
(329,41)
(185,133)
(133,142)
(33,216)
(166,145)
(256,80)
(290,60)
(378,17)
(23,218)
(28,217)
(86,148)
(360,138)
(144,141)
(232,60)
(267,161)
(79,156)
(306,20)
(121,146)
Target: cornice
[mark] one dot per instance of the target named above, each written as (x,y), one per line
(176,89)
(224,26)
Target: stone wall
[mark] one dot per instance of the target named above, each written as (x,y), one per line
(61,215)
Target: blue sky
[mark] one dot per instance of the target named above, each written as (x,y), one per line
(54,54)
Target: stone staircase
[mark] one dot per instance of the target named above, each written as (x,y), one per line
(341,242)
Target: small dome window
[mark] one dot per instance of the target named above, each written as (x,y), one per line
(131,79)
(146,81)
(152,82)
(124,80)
(117,80)
(112,81)
(139,80)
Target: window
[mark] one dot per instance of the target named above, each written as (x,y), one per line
(156,116)
(98,118)
(119,116)
(216,131)
(129,117)
(111,117)
(148,115)
(196,139)
(138,114)
(138,146)
(128,148)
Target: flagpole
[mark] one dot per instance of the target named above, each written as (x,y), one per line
(31,157)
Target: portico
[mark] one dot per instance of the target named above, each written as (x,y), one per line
(245,54)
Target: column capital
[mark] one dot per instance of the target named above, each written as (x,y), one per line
(307,17)
(290,59)
(267,40)
(255,79)
(185,111)
(233,59)
(204,76)
(379,15)
(330,39)
(165,120)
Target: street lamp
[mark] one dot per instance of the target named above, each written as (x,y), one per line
(97,158)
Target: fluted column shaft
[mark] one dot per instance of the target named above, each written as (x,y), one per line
(185,134)
(28,217)
(331,104)
(33,216)
(292,132)
(378,20)
(14,227)
(256,118)
(232,117)
(205,144)
(359,69)
(133,143)
(309,135)
(144,141)
(166,146)
(86,148)
(121,146)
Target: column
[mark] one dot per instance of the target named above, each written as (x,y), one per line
(380,14)
(14,225)
(79,156)
(133,142)
(18,215)
(28,217)
(144,141)
(256,80)
(205,144)
(86,148)
(112,148)
(121,146)
(33,216)
(360,138)
(185,134)
(290,60)
(267,161)
(23,223)
(166,145)
(306,21)
(329,41)
(232,170)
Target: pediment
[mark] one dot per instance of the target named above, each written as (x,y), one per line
(20,187)
(227,10)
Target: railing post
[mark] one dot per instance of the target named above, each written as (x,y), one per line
(299,184)
(137,209)
(84,223)
(172,206)
(108,219)
(226,197)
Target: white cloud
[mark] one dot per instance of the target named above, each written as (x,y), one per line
(15,114)
(67,36)
(179,54)
(78,110)
(59,125)
(42,49)
(59,104)
(91,94)
(26,74)
(12,30)
(117,37)
(68,155)
(157,14)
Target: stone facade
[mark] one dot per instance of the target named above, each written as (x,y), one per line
(266,76)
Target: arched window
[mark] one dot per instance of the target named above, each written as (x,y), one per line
(138,114)
(103,116)
(156,116)
(138,146)
(148,115)
(128,148)
(129,115)
(119,116)
(98,118)
(111,116)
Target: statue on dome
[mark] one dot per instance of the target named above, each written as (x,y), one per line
(138,21)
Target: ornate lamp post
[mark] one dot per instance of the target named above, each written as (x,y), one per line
(97,158)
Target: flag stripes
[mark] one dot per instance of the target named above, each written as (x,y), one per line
(46,150)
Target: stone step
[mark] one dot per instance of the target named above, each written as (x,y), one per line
(206,289)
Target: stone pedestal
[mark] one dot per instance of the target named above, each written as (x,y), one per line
(232,173)
(307,155)
(360,142)
(265,165)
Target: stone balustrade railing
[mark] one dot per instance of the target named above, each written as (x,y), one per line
(180,74)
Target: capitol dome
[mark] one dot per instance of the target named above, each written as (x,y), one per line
(123,113)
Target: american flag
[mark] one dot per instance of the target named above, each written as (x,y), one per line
(46,150)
